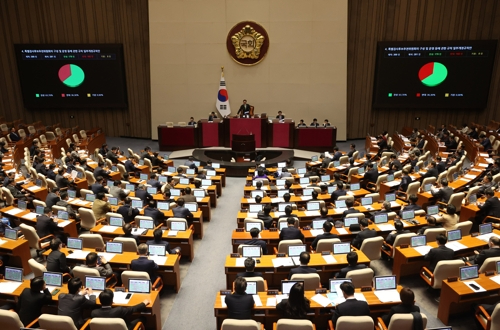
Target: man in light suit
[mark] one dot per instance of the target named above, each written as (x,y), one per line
(244,110)
(72,304)
(143,264)
(303,268)
(180,211)
(351,306)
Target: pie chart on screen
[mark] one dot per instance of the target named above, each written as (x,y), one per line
(71,75)
(432,74)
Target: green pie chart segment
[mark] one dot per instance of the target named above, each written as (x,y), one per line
(432,74)
(71,75)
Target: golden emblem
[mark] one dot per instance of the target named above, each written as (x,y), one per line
(247,43)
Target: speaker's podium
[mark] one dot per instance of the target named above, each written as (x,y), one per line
(243,143)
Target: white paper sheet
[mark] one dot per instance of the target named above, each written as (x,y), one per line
(108,229)
(30,216)
(107,256)
(387,295)
(277,200)
(252,215)
(385,227)
(316,232)
(470,176)
(78,254)
(282,262)
(159,259)
(340,210)
(341,231)
(9,286)
(329,259)
(306,198)
(455,246)
(63,223)
(3,241)
(311,213)
(251,200)
(223,301)
(14,211)
(278,214)
(482,165)
(240,262)
(256,300)
(296,261)
(495,279)
(320,299)
(395,204)
(34,188)
(172,233)
(280,297)
(468,283)
(423,250)
(393,183)
(271,302)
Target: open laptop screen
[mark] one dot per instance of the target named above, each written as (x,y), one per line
(419,240)
(136,204)
(301,170)
(336,282)
(95,283)
(485,228)
(163,206)
(390,197)
(366,201)
(250,225)
(468,272)
(381,218)
(454,235)
(286,286)
(340,204)
(157,249)
(255,193)
(313,206)
(146,224)
(14,274)
(113,201)
(251,287)
(341,248)
(282,206)
(433,209)
(318,224)
(115,221)
(251,251)
(53,279)
(139,285)
(177,225)
(296,250)
(408,215)
(350,221)
(10,233)
(355,186)
(114,247)
(75,243)
(385,282)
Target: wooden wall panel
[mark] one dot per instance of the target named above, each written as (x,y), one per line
(80,21)
(401,20)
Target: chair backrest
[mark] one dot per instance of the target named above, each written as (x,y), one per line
(354,323)
(375,197)
(489,264)
(148,163)
(36,267)
(391,215)
(495,318)
(182,124)
(83,134)
(355,155)
(361,277)
(10,320)
(404,321)
(43,139)
(37,202)
(129,244)
(128,274)
(289,324)
(465,227)
(356,215)
(413,188)
(261,283)
(445,269)
(92,241)
(311,281)
(344,160)
(233,324)
(456,199)
(9,199)
(432,233)
(56,322)
(430,180)
(21,132)
(346,197)
(380,179)
(371,247)
(352,171)
(442,175)
(398,174)
(87,218)
(283,245)
(30,234)
(104,323)
(51,184)
(81,272)
(130,152)
(114,215)
(326,244)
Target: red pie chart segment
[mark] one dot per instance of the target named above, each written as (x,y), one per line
(64,72)
(426,71)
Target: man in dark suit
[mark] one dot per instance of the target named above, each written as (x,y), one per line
(492,252)
(350,208)
(50,172)
(303,268)
(352,260)
(400,229)
(158,240)
(14,137)
(290,232)
(239,304)
(61,181)
(431,171)
(314,123)
(249,269)
(100,171)
(244,110)
(405,181)
(45,225)
(212,116)
(143,264)
(485,142)
(489,208)
(153,212)
(351,306)
(407,305)
(444,193)
(127,211)
(52,197)
(394,164)
(324,215)
(371,175)
(143,194)
(180,211)
(98,186)
(16,193)
(56,260)
(336,154)
(327,228)
(153,182)
(107,311)
(129,165)
(280,116)
(412,206)
(441,164)
(73,303)
(40,166)
(363,234)
(339,192)
(112,155)
(32,300)
(442,252)
(325,161)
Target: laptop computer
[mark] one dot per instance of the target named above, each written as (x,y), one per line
(390,197)
(472,199)
(110,183)
(171,169)
(408,215)
(113,168)
(282,224)
(162,179)
(215,165)
(152,190)
(314,158)
(331,189)
(361,170)
(454,235)
(63,215)
(90,197)
(115,221)
(38,182)
(381,218)
(351,221)
(325,178)
(197,163)
(355,186)
(250,225)
(251,287)
(163,206)
(280,182)
(204,183)
(334,283)
(113,201)
(427,187)
(304,180)
(255,193)
(385,282)
(313,206)
(255,208)
(143,176)
(281,165)
(184,181)
(282,192)
(39,210)
(318,224)
(114,247)
(390,177)
(336,163)
(419,240)
(469,272)
(296,249)
(286,286)
(175,192)
(79,175)
(74,243)
(10,233)
(190,171)
(199,193)
(130,187)
(177,225)
(53,279)
(366,201)
(307,192)
(192,207)
(340,204)
(432,210)
(282,206)
(341,248)
(211,173)
(72,193)
(416,168)
(22,205)
(136,204)
(157,250)
(141,162)
(96,283)
(301,170)
(455,176)
(485,228)
(498,267)
(251,251)
(146,224)
(13,274)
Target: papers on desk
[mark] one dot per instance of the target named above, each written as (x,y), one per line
(329,259)
(296,261)
(14,211)
(199,199)
(393,183)
(282,262)
(394,204)
(279,214)
(240,262)
(256,300)
(311,213)
(470,176)
(465,180)
(9,286)
(486,237)
(368,207)
(342,231)
(78,254)
(137,231)
(489,160)
(223,301)
(2,241)
(385,227)
(34,188)
(350,193)
(423,250)
(316,232)
(277,200)
(322,300)
(340,210)
(108,229)
(482,165)
(91,163)
(280,297)
(336,299)
(80,202)
(455,246)
(107,256)
(387,295)
(172,233)
(306,198)
(484,154)
(481,289)
(475,170)
(63,223)
(341,167)
(495,279)
(271,302)
(252,215)
(158,259)
(251,200)
(413,177)
(30,216)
